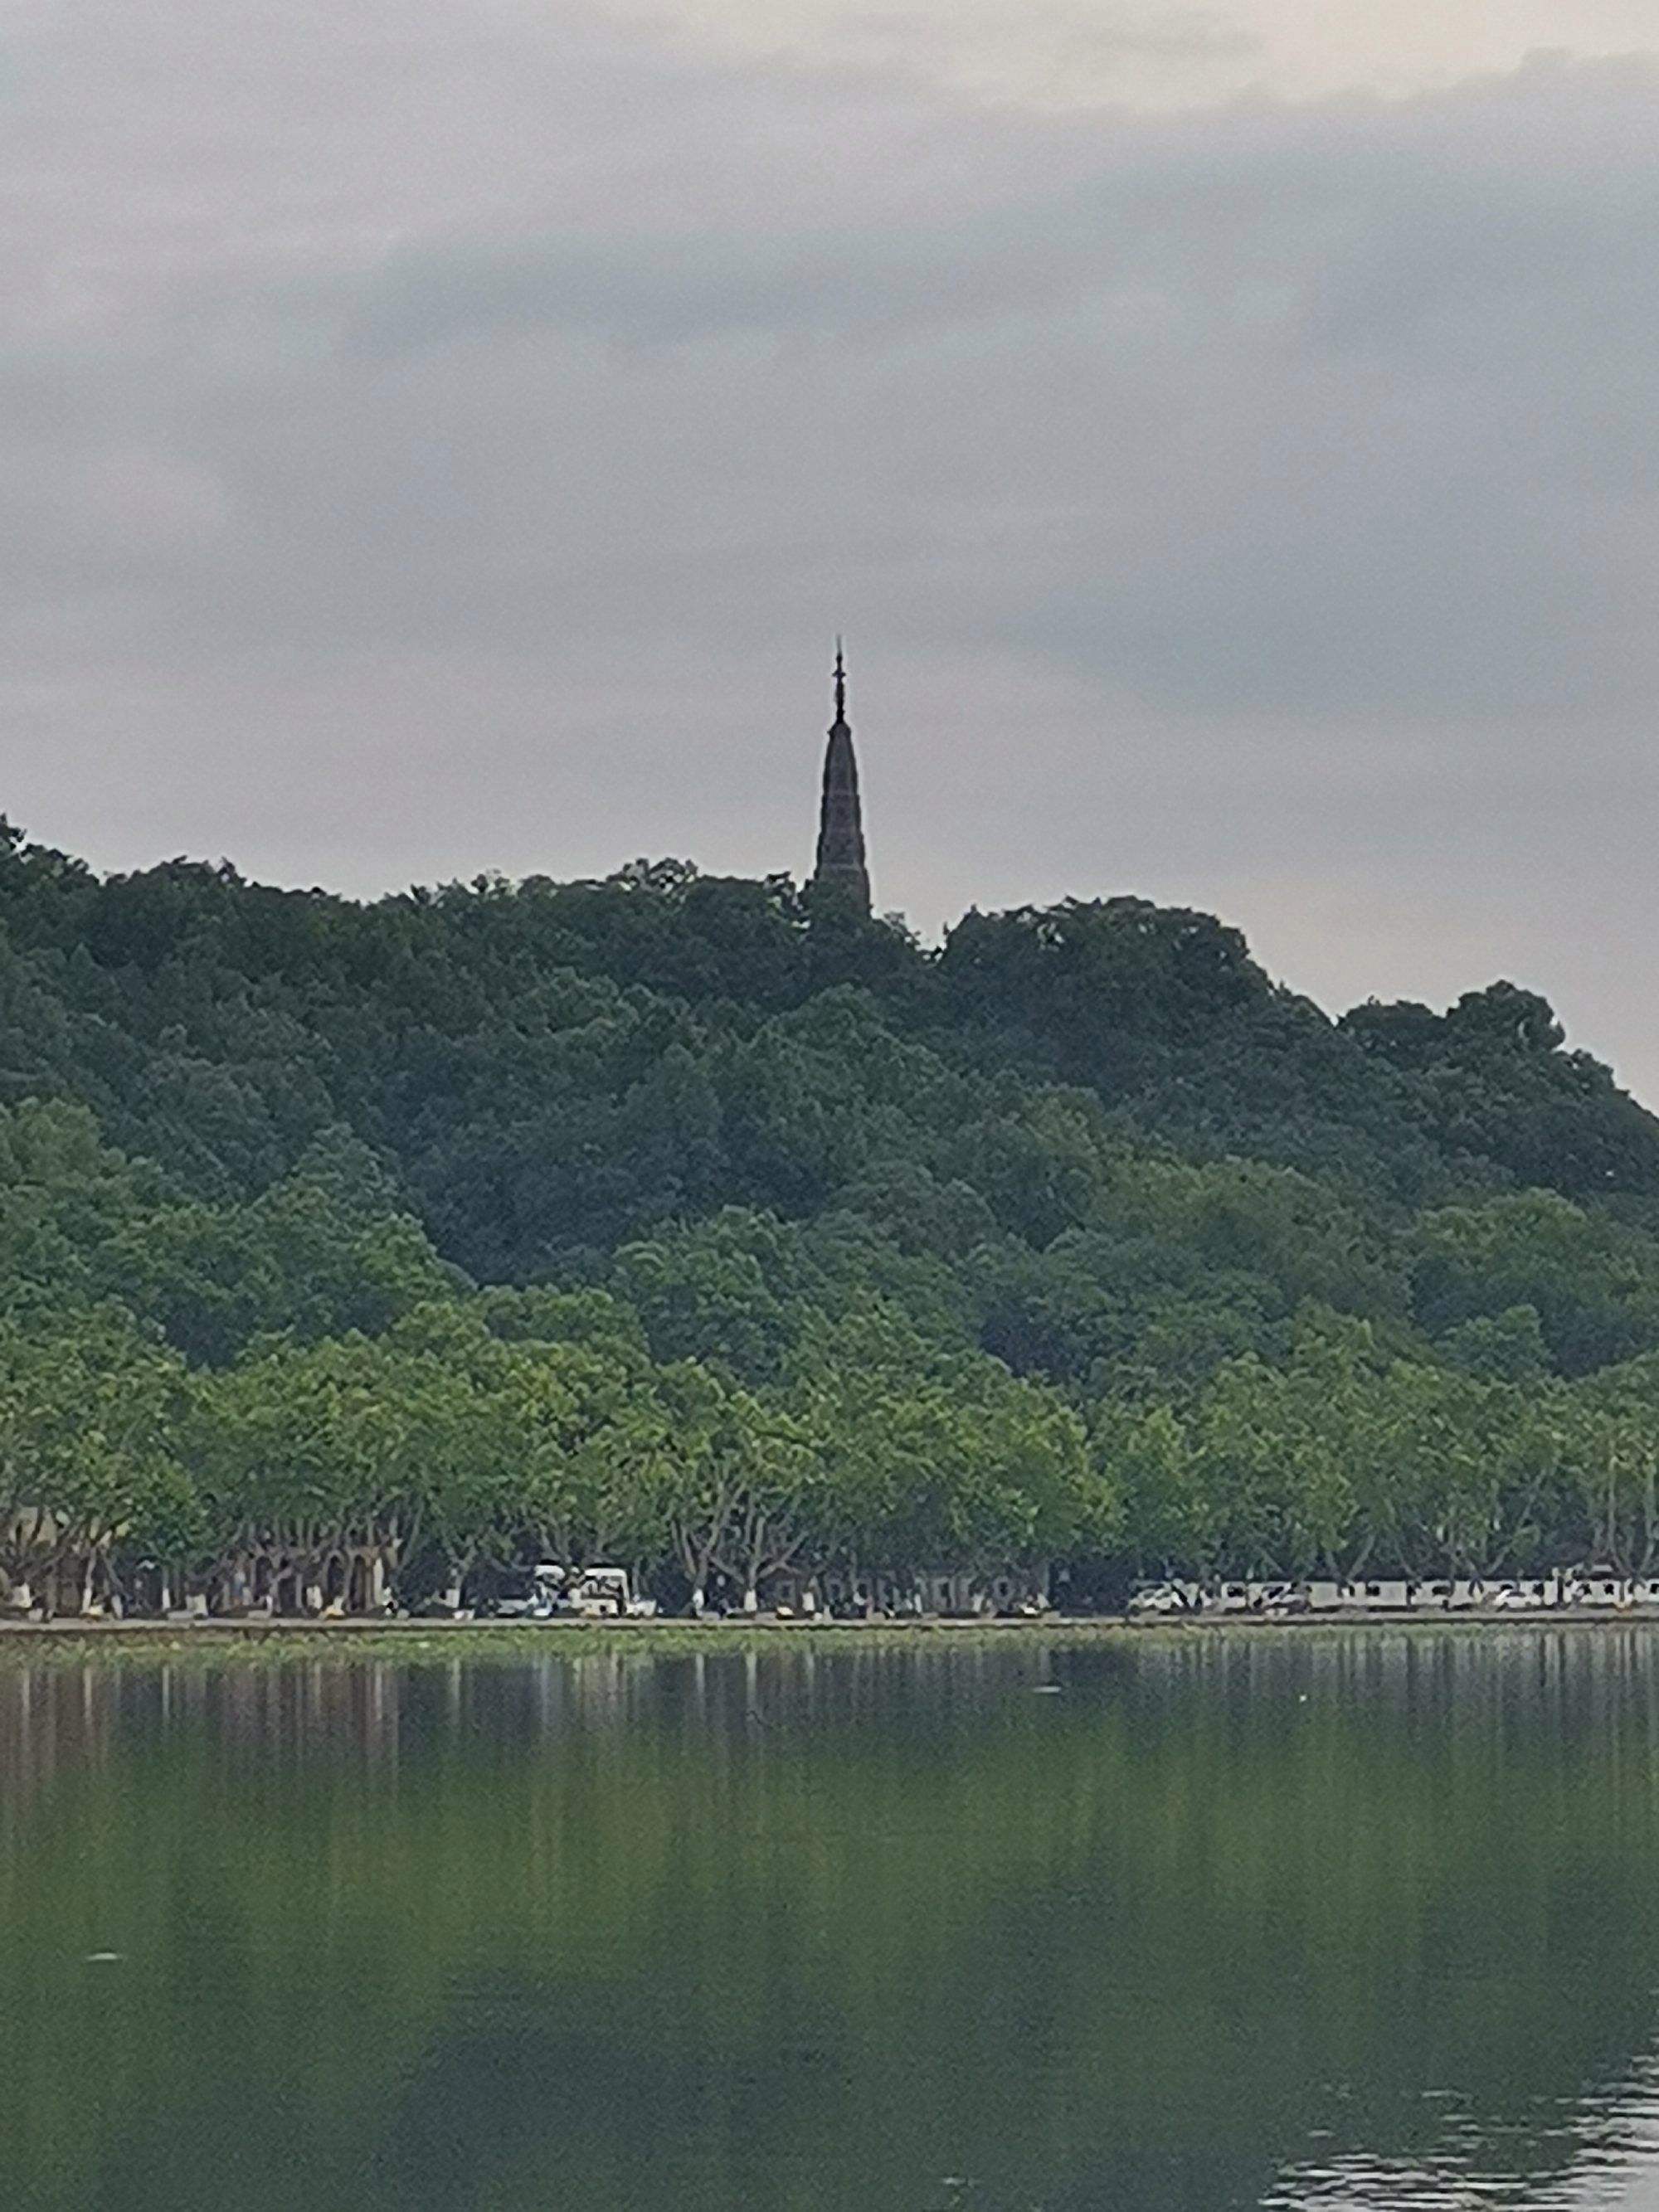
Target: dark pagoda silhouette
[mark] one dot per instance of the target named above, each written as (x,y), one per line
(841,873)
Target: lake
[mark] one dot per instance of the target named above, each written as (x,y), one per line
(1239,1918)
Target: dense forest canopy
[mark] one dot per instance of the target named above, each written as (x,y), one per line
(671,1219)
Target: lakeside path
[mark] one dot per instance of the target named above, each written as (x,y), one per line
(113,1641)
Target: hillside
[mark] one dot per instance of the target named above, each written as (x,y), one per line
(658,1216)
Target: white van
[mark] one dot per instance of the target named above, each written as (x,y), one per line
(602,1593)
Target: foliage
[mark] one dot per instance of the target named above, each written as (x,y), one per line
(663,1218)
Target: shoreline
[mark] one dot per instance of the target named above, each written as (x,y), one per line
(113,1641)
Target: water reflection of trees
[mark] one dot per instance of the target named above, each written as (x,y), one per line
(819,1928)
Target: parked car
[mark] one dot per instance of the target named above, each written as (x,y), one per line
(535,1594)
(1278,1597)
(1531,1594)
(1601,1588)
(1161,1601)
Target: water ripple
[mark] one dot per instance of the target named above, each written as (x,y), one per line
(1597,2153)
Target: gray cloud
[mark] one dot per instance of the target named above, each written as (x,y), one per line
(441,436)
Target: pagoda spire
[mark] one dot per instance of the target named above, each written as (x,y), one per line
(841,870)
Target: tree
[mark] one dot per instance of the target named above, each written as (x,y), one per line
(89,1411)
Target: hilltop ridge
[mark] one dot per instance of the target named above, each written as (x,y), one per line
(314,1010)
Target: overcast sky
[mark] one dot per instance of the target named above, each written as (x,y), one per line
(441,434)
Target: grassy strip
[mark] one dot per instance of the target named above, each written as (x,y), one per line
(419,1643)
(234,1644)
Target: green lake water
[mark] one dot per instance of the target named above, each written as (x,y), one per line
(1255,1919)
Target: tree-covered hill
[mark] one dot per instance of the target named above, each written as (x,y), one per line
(1077,1236)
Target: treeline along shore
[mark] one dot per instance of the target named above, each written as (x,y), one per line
(353,1256)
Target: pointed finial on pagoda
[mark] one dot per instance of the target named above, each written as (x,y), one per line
(842,873)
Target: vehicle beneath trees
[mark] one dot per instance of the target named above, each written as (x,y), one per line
(1593,1588)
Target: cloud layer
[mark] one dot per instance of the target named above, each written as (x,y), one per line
(438,434)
